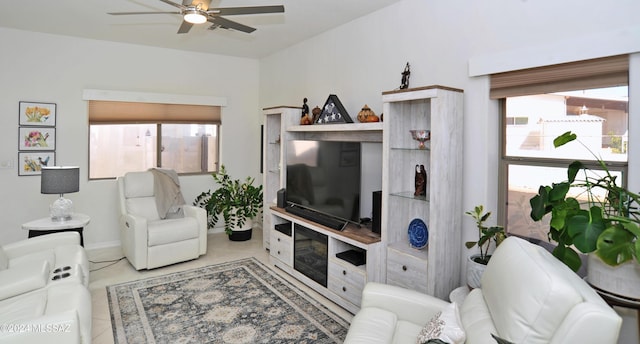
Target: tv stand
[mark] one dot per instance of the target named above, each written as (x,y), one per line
(353,255)
(312,215)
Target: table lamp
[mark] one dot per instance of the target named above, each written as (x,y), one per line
(60,180)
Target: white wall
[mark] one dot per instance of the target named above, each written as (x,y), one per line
(441,39)
(47,68)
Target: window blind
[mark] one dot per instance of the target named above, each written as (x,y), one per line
(587,74)
(114,112)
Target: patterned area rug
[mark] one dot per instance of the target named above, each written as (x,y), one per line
(238,302)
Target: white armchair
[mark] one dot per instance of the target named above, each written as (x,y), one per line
(527,297)
(149,241)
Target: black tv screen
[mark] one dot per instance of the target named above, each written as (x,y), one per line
(325,176)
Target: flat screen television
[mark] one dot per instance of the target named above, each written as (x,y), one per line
(324,176)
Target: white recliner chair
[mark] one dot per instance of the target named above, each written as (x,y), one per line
(527,297)
(149,241)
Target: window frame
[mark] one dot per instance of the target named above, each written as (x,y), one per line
(506,161)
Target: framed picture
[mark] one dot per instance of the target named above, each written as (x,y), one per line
(333,112)
(37,114)
(36,138)
(30,163)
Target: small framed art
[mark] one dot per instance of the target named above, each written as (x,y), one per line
(31,163)
(37,114)
(36,138)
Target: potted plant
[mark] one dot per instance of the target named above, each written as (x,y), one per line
(604,222)
(238,202)
(478,262)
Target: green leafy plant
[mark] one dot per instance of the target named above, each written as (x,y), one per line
(236,200)
(485,234)
(608,226)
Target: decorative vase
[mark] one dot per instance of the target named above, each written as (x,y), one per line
(244,233)
(474,272)
(622,280)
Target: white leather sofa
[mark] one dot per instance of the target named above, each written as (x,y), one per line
(527,296)
(43,291)
(147,240)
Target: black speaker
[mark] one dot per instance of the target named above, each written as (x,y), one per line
(282,198)
(376,210)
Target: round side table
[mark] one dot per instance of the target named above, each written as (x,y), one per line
(47,226)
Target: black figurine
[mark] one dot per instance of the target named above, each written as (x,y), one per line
(305,107)
(305,119)
(405,77)
(420,181)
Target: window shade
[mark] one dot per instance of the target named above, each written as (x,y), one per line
(596,73)
(113,112)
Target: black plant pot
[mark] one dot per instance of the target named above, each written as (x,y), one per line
(242,235)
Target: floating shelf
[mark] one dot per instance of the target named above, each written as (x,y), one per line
(377,126)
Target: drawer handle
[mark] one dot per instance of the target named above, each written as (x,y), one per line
(404,268)
(278,252)
(278,239)
(344,289)
(344,272)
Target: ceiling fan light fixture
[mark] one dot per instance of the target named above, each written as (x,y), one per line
(194,16)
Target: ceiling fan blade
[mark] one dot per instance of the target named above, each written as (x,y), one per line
(185,27)
(230,24)
(173,4)
(128,13)
(229,11)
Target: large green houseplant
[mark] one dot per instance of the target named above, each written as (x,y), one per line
(486,235)
(238,201)
(608,226)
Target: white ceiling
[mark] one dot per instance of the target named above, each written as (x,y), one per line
(89,19)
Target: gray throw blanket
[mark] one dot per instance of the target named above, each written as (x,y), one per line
(169,199)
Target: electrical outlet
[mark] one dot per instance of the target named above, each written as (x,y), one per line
(6,164)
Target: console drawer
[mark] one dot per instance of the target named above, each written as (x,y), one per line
(346,280)
(406,270)
(281,247)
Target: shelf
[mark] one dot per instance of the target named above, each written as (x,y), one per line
(409,194)
(405,248)
(377,126)
(413,149)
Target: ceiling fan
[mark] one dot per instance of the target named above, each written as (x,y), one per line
(198,12)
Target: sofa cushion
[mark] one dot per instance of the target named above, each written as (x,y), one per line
(144,207)
(23,279)
(37,257)
(476,319)
(374,325)
(138,184)
(172,230)
(531,315)
(445,325)
(24,307)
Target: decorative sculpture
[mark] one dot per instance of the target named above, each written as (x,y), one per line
(405,77)
(420,181)
(304,118)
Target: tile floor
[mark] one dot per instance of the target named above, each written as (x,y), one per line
(219,250)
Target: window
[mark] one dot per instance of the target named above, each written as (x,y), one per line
(535,112)
(127,137)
